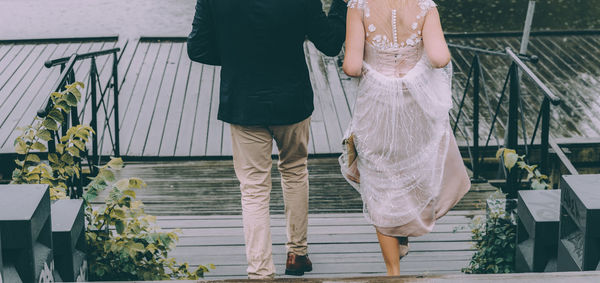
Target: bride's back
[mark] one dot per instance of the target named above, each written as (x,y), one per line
(393,33)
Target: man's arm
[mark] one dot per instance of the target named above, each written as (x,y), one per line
(202,42)
(327,32)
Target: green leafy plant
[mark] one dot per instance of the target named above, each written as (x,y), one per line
(63,165)
(495,239)
(124,243)
(538,181)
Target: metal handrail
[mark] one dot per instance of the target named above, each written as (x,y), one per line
(547,92)
(59,61)
(563,158)
(59,84)
(67,76)
(512,84)
(530,58)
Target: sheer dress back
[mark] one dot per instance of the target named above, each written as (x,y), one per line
(400,119)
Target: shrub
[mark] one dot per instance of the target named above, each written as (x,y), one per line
(495,235)
(124,243)
(495,239)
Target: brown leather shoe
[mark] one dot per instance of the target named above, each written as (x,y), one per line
(297,264)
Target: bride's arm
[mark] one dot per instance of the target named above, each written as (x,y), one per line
(435,43)
(355,43)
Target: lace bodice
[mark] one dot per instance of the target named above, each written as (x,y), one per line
(393,33)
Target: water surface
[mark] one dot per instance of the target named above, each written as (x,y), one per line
(509,15)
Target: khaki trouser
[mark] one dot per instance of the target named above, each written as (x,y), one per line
(252,147)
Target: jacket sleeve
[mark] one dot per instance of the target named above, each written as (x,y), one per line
(202,43)
(327,32)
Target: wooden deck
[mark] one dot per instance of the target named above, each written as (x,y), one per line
(168,104)
(340,245)
(203,199)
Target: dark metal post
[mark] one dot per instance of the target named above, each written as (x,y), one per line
(94,122)
(117,148)
(476,91)
(545,135)
(512,136)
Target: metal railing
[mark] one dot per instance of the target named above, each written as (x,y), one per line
(98,98)
(512,84)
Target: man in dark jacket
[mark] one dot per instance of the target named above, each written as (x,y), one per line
(266,95)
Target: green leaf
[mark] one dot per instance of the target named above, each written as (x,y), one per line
(50,124)
(120,226)
(21,147)
(60,148)
(79,144)
(39,146)
(44,135)
(71,100)
(107,175)
(53,157)
(73,151)
(115,163)
(67,159)
(510,158)
(33,158)
(56,115)
(136,183)
(130,193)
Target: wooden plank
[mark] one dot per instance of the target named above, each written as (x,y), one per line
(106,102)
(4,51)
(11,61)
(194,89)
(41,98)
(168,145)
(575,81)
(547,71)
(201,118)
(161,109)
(215,127)
(322,248)
(340,103)
(422,257)
(83,75)
(226,149)
(314,230)
(20,97)
(129,70)
(449,238)
(329,220)
(142,122)
(132,111)
(323,102)
(106,134)
(317,128)
(337,269)
(18,74)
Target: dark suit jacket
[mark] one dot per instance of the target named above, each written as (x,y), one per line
(259,44)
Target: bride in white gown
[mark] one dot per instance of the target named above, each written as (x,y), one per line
(408,170)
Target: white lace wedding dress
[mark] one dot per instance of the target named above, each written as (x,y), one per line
(410,170)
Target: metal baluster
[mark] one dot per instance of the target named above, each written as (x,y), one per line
(94,122)
(117,148)
(476,89)
(545,135)
(512,137)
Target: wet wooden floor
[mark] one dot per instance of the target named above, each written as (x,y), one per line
(168,104)
(203,199)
